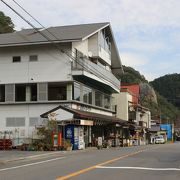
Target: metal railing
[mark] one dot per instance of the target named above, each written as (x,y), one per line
(84,64)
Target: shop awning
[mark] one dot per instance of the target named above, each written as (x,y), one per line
(78,114)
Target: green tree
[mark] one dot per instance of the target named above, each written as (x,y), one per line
(131,76)
(6,24)
(45,134)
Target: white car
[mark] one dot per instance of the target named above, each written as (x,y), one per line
(159,139)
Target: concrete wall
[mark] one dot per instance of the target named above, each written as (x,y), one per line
(122,101)
(81,46)
(51,65)
(147,119)
(96,47)
(23,111)
(93,44)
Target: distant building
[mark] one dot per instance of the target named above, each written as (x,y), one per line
(129,109)
(134,89)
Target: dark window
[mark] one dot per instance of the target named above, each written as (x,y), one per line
(20,93)
(33,58)
(77,91)
(33,88)
(98,98)
(56,91)
(2,93)
(16,59)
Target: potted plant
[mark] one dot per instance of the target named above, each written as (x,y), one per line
(68,145)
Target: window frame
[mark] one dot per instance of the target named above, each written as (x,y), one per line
(33,59)
(18,60)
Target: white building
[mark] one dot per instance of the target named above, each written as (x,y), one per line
(78,67)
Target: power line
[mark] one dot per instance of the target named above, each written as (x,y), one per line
(52,41)
(102,77)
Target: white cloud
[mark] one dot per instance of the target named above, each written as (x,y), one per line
(130,19)
(132,59)
(139,63)
(123,14)
(143,45)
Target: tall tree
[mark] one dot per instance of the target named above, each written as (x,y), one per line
(6,24)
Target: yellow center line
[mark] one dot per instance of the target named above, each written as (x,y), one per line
(100,164)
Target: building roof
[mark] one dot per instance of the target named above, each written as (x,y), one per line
(60,34)
(155,128)
(78,114)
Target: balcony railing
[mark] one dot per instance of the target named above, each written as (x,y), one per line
(85,64)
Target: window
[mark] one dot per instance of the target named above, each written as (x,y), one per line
(33,58)
(77,92)
(33,91)
(15,122)
(87,95)
(33,121)
(20,92)
(98,99)
(56,91)
(42,91)
(107,101)
(16,59)
(9,92)
(2,93)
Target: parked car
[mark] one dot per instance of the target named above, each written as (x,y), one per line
(159,139)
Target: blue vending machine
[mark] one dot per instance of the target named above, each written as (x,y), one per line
(72,133)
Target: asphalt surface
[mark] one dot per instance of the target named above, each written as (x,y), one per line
(137,163)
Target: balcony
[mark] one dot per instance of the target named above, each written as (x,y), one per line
(84,67)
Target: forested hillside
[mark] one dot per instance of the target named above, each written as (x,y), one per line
(132,76)
(169,87)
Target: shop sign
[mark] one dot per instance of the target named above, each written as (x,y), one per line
(86,122)
(81,138)
(69,132)
(76,138)
(99,141)
(83,108)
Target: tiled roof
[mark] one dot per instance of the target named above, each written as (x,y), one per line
(61,33)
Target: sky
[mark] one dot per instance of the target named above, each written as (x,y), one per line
(147,32)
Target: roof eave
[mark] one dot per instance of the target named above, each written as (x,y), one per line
(86,37)
(38,43)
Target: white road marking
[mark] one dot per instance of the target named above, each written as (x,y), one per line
(31,164)
(139,168)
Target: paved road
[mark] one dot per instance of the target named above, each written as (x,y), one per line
(161,162)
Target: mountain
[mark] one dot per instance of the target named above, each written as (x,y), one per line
(151,95)
(169,87)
